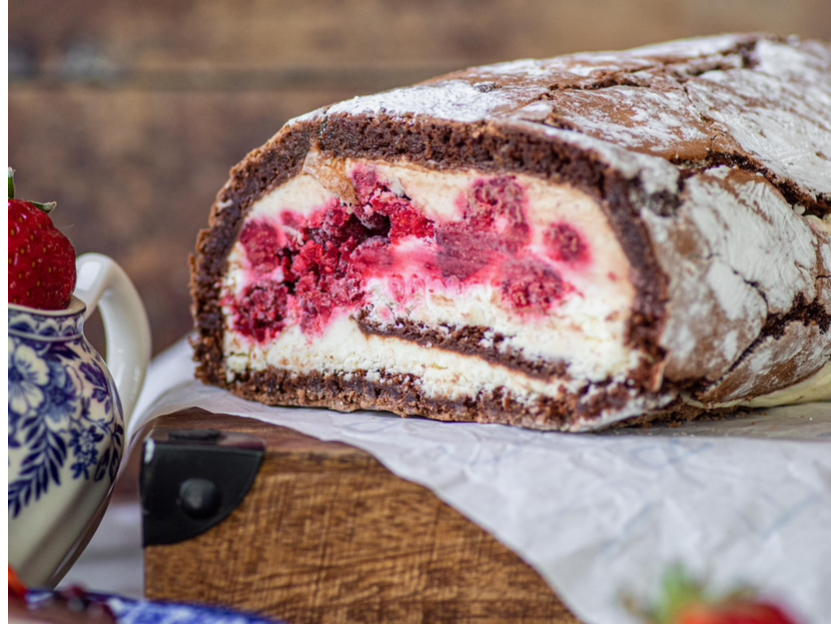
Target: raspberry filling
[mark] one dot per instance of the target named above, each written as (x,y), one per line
(308,268)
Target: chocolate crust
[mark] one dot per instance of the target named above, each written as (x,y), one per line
(514,136)
(401,395)
(261,170)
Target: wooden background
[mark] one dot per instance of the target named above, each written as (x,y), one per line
(130,113)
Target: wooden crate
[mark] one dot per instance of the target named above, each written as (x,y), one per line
(328,535)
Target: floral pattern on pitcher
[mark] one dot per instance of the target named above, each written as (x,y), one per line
(63,408)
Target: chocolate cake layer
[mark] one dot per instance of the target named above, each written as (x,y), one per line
(466,340)
(400,395)
(643,231)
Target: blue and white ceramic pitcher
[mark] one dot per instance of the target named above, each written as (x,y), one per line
(68,413)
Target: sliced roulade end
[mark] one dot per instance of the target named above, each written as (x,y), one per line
(558,244)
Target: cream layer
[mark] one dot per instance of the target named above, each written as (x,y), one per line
(440,374)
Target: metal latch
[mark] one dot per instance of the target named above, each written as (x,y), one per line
(192,479)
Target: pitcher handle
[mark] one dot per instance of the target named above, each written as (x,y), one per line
(102,283)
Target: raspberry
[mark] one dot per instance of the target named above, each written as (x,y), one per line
(358,231)
(338,250)
(261,310)
(409,222)
(496,197)
(565,244)
(317,259)
(373,257)
(496,205)
(292,222)
(262,246)
(531,286)
(365,181)
(372,218)
(335,253)
(493,227)
(315,301)
(400,219)
(327,257)
(461,255)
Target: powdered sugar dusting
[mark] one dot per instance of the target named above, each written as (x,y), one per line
(527,68)
(793,140)
(659,122)
(798,60)
(735,297)
(708,300)
(743,247)
(748,224)
(735,253)
(563,68)
(455,100)
(655,174)
(690,48)
(683,101)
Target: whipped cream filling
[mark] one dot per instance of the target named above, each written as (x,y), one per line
(585,331)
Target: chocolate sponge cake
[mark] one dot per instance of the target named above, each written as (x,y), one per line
(557,244)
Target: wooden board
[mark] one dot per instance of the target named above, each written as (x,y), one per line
(328,535)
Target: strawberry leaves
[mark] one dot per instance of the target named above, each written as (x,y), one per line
(45,208)
(684,600)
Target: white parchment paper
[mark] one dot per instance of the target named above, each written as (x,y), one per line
(744,501)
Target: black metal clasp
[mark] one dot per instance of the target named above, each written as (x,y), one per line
(192,479)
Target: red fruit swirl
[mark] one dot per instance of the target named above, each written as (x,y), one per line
(326,258)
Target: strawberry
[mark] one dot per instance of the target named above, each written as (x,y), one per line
(16,587)
(734,612)
(684,602)
(41,259)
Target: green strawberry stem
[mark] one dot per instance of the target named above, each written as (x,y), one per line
(47,207)
(44,207)
(680,590)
